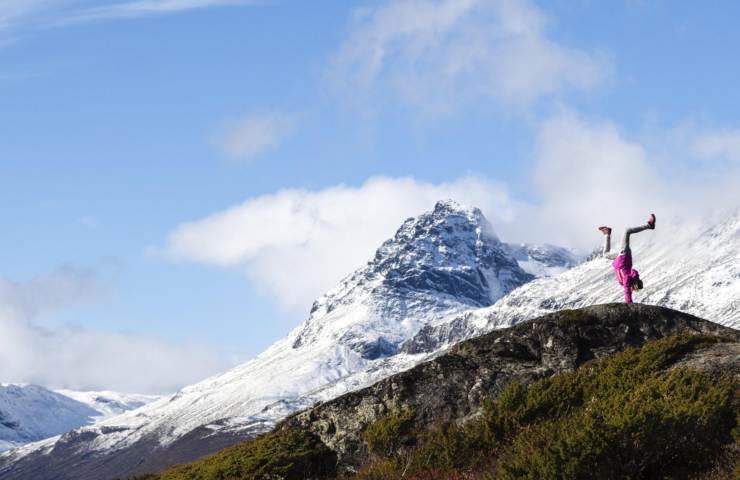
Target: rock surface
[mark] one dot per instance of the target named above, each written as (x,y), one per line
(453,386)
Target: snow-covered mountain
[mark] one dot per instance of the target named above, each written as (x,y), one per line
(543,260)
(437,266)
(443,277)
(107,403)
(30,413)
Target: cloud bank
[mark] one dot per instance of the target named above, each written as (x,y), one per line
(295,244)
(586,174)
(436,55)
(721,145)
(589,172)
(81,359)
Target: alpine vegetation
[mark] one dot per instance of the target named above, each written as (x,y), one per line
(610,391)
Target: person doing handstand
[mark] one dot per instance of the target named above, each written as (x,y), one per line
(628,277)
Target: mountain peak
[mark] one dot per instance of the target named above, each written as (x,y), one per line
(452,207)
(447,223)
(441,262)
(451,241)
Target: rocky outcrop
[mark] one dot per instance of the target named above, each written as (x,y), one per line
(453,386)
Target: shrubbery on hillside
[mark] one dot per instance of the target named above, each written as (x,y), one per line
(626,416)
(282,454)
(621,417)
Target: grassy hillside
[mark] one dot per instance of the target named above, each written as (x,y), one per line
(282,454)
(630,415)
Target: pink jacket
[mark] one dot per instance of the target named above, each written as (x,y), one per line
(625,274)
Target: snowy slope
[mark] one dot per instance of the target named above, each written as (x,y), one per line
(30,412)
(692,268)
(438,265)
(543,260)
(107,403)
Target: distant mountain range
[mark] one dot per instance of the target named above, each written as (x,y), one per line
(30,413)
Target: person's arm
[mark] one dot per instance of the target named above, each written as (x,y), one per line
(627,290)
(624,277)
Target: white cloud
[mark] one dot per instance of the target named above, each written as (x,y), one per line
(76,358)
(141,8)
(723,145)
(61,288)
(586,172)
(15,14)
(14,11)
(256,134)
(297,243)
(437,54)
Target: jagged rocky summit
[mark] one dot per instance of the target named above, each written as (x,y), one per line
(437,266)
(441,263)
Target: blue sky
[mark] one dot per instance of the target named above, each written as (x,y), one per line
(180,178)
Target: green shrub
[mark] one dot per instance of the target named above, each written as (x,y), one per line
(672,423)
(289,454)
(381,469)
(625,416)
(385,435)
(450,448)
